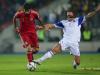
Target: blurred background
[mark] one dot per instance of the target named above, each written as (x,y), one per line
(51,11)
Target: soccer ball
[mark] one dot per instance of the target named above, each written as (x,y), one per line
(31,66)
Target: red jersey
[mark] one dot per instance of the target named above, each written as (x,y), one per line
(27,21)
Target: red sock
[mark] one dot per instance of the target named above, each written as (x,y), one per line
(30,56)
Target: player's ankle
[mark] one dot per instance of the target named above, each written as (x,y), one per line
(37,62)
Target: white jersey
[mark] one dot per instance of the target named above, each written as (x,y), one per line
(71,29)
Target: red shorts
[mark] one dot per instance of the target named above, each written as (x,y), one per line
(30,39)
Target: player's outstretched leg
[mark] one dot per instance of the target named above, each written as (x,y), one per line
(49,54)
(76,62)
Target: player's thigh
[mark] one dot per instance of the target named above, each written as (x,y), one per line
(34,41)
(75,49)
(25,39)
(56,48)
(64,44)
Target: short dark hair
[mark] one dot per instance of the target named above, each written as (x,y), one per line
(27,6)
(72,10)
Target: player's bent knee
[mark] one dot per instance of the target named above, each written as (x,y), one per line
(56,49)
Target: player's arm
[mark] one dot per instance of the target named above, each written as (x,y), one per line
(38,18)
(49,26)
(15,22)
(91,14)
(56,25)
(39,27)
(41,24)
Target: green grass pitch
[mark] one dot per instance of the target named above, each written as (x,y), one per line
(59,65)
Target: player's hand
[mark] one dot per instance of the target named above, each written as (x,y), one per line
(47,27)
(17,30)
(98,8)
(39,27)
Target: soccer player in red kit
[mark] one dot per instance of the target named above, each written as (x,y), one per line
(27,29)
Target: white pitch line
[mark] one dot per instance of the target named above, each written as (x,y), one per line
(90,68)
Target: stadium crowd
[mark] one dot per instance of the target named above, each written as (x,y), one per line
(82,7)
(9,7)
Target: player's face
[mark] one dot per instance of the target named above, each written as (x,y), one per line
(70,14)
(27,12)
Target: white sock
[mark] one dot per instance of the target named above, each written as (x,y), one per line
(47,55)
(74,63)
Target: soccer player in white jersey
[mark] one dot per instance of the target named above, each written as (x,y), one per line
(71,36)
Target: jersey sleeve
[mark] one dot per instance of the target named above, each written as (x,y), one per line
(17,15)
(81,20)
(59,24)
(36,14)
